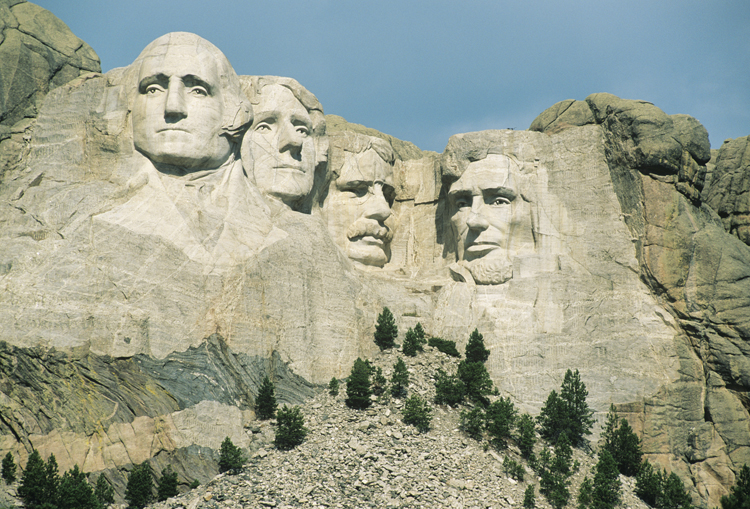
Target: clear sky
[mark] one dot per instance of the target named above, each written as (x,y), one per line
(422,71)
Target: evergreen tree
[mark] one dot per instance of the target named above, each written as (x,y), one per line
(477,381)
(379,382)
(513,468)
(358,386)
(648,484)
(33,489)
(446,346)
(291,430)
(739,495)
(138,492)
(399,379)
(265,405)
(607,490)
(475,350)
(529,499)
(562,460)
(9,469)
(526,436)
(585,492)
(552,419)
(610,428)
(622,443)
(421,337)
(472,422)
(104,492)
(501,418)
(411,343)
(51,480)
(417,413)
(553,484)
(673,494)
(449,389)
(573,393)
(386,331)
(333,387)
(167,484)
(74,491)
(231,457)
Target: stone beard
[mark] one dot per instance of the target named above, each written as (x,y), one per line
(486,208)
(358,203)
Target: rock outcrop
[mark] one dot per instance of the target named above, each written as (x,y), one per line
(157,293)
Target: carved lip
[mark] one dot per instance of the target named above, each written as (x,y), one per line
(289,167)
(369,239)
(172,129)
(481,247)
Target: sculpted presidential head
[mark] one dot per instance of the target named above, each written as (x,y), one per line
(489,213)
(286,141)
(189,110)
(360,195)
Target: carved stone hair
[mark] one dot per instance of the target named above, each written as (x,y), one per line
(237,109)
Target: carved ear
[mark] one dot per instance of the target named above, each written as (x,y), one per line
(246,156)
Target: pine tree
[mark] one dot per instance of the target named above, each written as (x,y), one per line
(622,443)
(33,481)
(51,480)
(138,492)
(231,457)
(475,350)
(477,381)
(739,495)
(529,499)
(386,331)
(265,405)
(501,418)
(104,492)
(673,494)
(585,492)
(379,382)
(417,412)
(648,484)
(333,387)
(606,492)
(553,484)
(167,484)
(74,491)
(526,436)
(449,389)
(472,422)
(573,393)
(562,460)
(358,386)
(9,469)
(411,343)
(290,430)
(421,337)
(399,379)
(446,346)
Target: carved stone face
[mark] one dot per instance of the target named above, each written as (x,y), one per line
(281,144)
(483,206)
(179,111)
(357,206)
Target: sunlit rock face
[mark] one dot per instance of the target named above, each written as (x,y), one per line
(175,226)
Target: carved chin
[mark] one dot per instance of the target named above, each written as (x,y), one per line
(487,271)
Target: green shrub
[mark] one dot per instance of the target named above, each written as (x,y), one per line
(358,386)
(622,443)
(673,494)
(500,418)
(529,499)
(386,331)
(567,412)
(585,492)
(333,387)
(739,495)
(526,437)
(399,379)
(417,412)
(606,493)
(290,430)
(554,473)
(9,469)
(265,405)
(472,422)
(421,337)
(449,390)
(561,462)
(195,484)
(231,457)
(104,492)
(138,492)
(446,346)
(648,484)
(513,468)
(475,350)
(411,345)
(74,491)
(167,484)
(39,481)
(477,381)
(379,382)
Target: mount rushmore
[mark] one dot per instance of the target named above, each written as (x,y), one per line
(172,232)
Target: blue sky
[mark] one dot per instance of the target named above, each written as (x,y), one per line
(422,71)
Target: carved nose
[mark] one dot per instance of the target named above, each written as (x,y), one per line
(175,107)
(377,206)
(477,222)
(290,140)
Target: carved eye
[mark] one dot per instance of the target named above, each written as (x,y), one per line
(304,131)
(199,91)
(499,201)
(263,127)
(153,89)
(462,203)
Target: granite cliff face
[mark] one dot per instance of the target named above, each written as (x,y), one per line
(145,291)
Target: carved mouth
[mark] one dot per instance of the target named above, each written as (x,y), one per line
(480,248)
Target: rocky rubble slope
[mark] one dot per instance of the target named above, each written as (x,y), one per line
(371,458)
